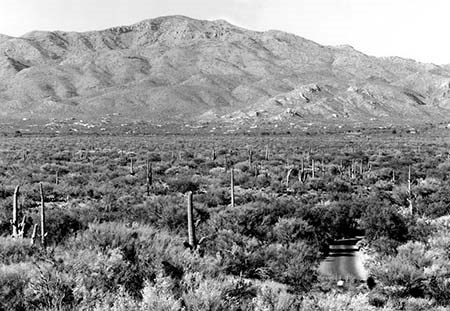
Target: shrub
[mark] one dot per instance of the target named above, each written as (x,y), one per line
(291,230)
(182,184)
(166,213)
(276,299)
(294,264)
(221,293)
(17,250)
(381,221)
(13,281)
(405,270)
(50,289)
(60,224)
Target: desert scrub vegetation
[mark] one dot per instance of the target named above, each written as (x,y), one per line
(116,229)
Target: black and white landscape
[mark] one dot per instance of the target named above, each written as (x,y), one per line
(190,164)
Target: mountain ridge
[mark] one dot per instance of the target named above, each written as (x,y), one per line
(179,68)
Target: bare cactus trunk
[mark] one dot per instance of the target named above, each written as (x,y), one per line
(43,233)
(190,215)
(214,155)
(33,235)
(288,176)
(410,198)
(409,181)
(149,176)
(232,187)
(14,221)
(21,230)
(131,167)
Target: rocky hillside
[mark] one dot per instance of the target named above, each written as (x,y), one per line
(176,67)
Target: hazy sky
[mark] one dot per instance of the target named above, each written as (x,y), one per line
(409,28)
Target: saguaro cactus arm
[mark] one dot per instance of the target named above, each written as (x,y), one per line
(288,176)
(33,235)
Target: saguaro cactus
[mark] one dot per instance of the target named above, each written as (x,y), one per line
(131,167)
(266,157)
(257,168)
(232,187)
(353,170)
(302,174)
(33,235)
(410,198)
(190,218)
(250,158)
(149,176)
(14,221)
(409,181)
(43,233)
(288,176)
(21,230)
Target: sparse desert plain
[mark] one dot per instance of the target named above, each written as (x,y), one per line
(117,233)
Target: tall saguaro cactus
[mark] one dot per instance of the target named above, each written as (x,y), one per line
(409,181)
(15,221)
(149,176)
(190,218)
(410,199)
(232,187)
(43,233)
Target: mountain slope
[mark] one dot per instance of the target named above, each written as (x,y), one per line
(176,67)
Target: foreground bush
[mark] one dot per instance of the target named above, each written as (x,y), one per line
(418,269)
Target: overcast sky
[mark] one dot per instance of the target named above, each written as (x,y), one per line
(415,29)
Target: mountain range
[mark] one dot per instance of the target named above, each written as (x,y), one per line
(178,68)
